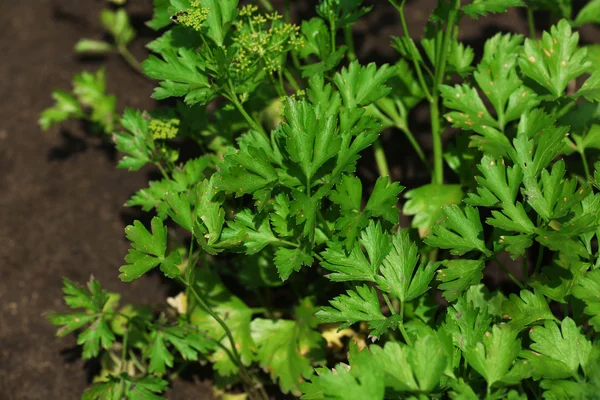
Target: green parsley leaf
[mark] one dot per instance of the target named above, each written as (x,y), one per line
(495,354)
(136,143)
(117,23)
(361,86)
(460,232)
(289,260)
(182,74)
(148,250)
(555,60)
(95,302)
(284,347)
(587,290)
(359,305)
(526,310)
(427,202)
(558,353)
(363,379)
(483,7)
(458,276)
(400,277)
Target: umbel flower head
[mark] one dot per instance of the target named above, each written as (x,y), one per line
(164,129)
(194,16)
(264,40)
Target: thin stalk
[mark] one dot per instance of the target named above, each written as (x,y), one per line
(162,171)
(349,36)
(291,80)
(440,73)
(415,144)
(438,149)
(332,34)
(586,167)
(267,5)
(277,85)
(389,303)
(136,362)
(531,23)
(416,64)
(538,262)
(380,159)
(233,98)
(244,373)
(401,326)
(525,267)
(130,59)
(507,272)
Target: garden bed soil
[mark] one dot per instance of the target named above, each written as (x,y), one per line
(61,197)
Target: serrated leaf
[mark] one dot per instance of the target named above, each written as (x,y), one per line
(363,379)
(383,200)
(221,15)
(359,305)
(527,309)
(460,232)
(500,186)
(458,276)
(290,260)
(181,74)
(135,143)
(65,107)
(588,290)
(589,14)
(118,24)
(426,204)
(567,346)
(360,85)
(310,142)
(161,16)
(494,355)
(467,322)
(148,250)
(249,232)
(400,275)
(245,171)
(483,7)
(284,347)
(555,60)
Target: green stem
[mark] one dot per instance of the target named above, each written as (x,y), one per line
(277,85)
(416,64)
(244,373)
(349,36)
(438,149)
(333,30)
(291,80)
(531,23)
(415,144)
(389,303)
(440,73)
(267,5)
(162,171)
(401,326)
(380,159)
(507,272)
(233,98)
(538,262)
(130,59)
(586,167)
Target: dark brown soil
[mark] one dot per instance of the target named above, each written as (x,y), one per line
(61,196)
